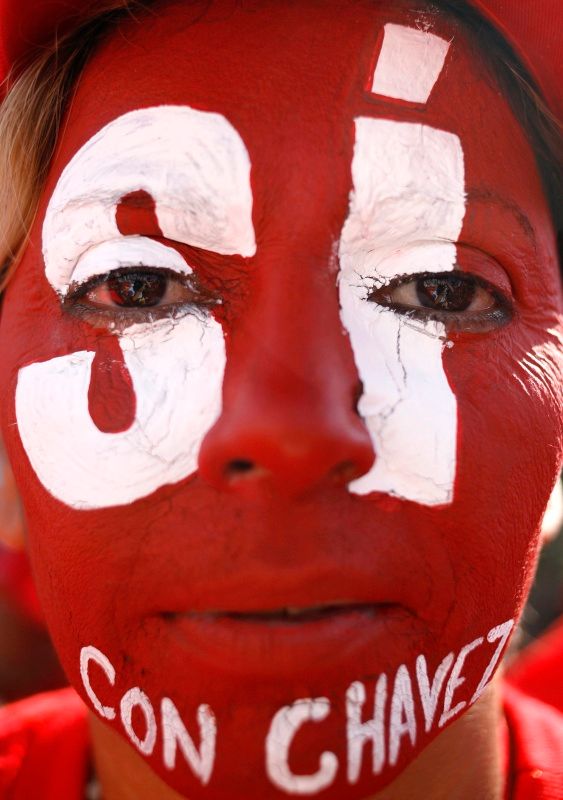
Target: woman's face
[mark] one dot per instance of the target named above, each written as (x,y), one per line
(281,384)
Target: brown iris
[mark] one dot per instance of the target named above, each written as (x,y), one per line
(137,289)
(448,293)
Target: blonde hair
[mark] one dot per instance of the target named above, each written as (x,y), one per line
(30,120)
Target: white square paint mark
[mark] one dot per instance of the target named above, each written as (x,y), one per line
(409,64)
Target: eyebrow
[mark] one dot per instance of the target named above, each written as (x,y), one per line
(487,196)
(484,196)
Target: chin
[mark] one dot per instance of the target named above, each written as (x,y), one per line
(333,703)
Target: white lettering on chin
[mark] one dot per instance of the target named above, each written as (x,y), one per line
(88,654)
(456,679)
(403,720)
(286,723)
(500,633)
(136,698)
(359,733)
(174,733)
(429,695)
(402,716)
(283,729)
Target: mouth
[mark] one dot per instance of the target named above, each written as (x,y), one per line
(290,615)
(287,640)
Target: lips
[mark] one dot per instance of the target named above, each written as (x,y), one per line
(293,642)
(288,614)
(292,622)
(287,595)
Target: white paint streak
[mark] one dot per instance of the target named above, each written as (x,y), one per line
(359,733)
(409,64)
(88,654)
(196,168)
(136,698)
(284,727)
(175,735)
(406,213)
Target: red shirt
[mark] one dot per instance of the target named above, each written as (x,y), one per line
(44,747)
(536,748)
(534,712)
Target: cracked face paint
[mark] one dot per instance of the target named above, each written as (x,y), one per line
(233,622)
(175,367)
(406,211)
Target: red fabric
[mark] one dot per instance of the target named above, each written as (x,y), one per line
(44,748)
(24,25)
(539,671)
(536,744)
(534,712)
(533,27)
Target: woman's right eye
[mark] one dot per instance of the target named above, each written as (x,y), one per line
(134,290)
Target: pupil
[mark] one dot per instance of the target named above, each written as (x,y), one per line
(134,290)
(445,293)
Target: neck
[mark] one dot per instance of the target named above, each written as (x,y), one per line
(462,763)
(121,771)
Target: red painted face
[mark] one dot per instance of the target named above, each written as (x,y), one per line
(262,462)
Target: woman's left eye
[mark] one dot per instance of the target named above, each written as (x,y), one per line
(461,301)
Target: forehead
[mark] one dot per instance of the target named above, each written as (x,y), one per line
(284,67)
(292,78)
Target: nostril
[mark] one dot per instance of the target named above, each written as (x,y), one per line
(241,469)
(239,466)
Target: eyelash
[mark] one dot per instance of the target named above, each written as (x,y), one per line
(500,314)
(203,301)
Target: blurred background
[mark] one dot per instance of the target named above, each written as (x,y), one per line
(27,660)
(545,603)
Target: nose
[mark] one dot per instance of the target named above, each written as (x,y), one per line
(290,391)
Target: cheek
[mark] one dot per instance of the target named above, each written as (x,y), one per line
(508,389)
(106,419)
(110,422)
(169,374)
